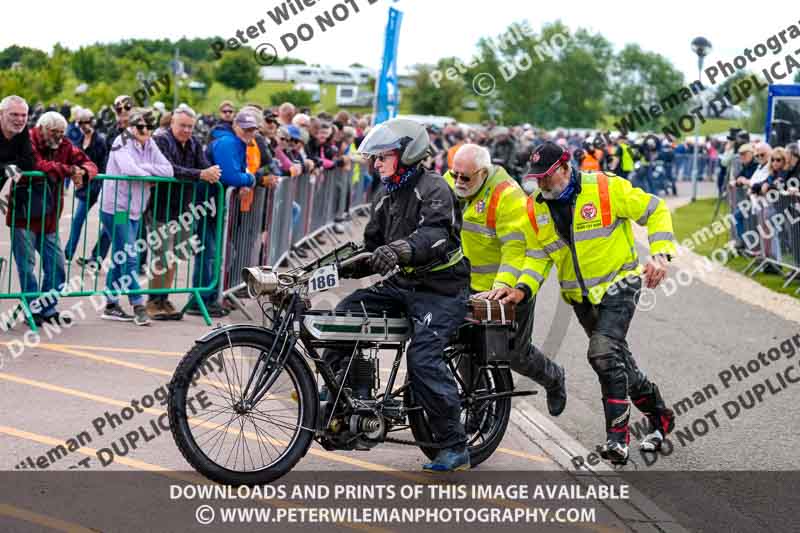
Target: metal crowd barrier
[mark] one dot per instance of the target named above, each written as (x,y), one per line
(776,244)
(266,234)
(167,219)
(682,166)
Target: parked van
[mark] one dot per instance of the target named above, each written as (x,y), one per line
(303,74)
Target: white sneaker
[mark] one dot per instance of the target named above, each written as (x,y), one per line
(652,442)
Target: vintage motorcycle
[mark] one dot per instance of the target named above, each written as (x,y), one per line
(244,404)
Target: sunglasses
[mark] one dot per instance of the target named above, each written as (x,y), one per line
(227,111)
(382,157)
(126,107)
(777,160)
(142,127)
(759,156)
(284,139)
(459,176)
(85,122)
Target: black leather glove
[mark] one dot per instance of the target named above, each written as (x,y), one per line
(384,259)
(403,251)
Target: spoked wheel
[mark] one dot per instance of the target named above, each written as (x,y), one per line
(221,437)
(485,421)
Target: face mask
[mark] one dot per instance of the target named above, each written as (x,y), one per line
(560,193)
(552,194)
(529,186)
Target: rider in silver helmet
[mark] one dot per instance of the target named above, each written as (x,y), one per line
(413,233)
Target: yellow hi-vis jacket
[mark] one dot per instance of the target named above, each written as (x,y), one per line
(493,232)
(603,249)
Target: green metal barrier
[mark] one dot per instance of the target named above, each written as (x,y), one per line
(31,204)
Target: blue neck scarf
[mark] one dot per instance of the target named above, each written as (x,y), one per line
(398,181)
(569,190)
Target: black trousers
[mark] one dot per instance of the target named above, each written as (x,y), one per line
(606,325)
(435,319)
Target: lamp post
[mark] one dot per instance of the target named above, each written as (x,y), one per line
(700,46)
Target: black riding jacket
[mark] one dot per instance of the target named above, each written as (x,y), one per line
(423,212)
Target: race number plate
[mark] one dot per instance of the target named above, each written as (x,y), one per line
(323,279)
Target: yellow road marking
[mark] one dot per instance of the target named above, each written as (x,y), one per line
(143,368)
(63,347)
(189,478)
(85,450)
(320,453)
(106,349)
(42,520)
(523,455)
(110,401)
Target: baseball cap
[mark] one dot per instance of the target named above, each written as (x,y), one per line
(545,159)
(746,147)
(294,132)
(246,121)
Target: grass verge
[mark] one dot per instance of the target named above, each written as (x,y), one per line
(690,218)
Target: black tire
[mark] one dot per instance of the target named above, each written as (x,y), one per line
(500,381)
(305,396)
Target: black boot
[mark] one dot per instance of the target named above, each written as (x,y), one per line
(617,413)
(557,395)
(660,426)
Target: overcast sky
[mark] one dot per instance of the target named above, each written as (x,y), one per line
(431,29)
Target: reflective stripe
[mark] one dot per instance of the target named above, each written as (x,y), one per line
(495,268)
(419,196)
(553,246)
(605,199)
(491,214)
(598,232)
(535,275)
(505,269)
(532,214)
(485,269)
(651,208)
(593,282)
(536,254)
(439,243)
(515,236)
(380,203)
(661,236)
(454,259)
(478,228)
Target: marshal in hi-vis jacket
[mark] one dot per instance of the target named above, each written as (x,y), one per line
(602,249)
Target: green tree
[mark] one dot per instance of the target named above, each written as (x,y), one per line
(434,92)
(298,98)
(30,58)
(86,64)
(238,71)
(640,78)
(554,78)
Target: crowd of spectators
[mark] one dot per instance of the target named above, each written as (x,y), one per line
(240,148)
(652,162)
(255,146)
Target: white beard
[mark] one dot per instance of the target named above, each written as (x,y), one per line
(469,192)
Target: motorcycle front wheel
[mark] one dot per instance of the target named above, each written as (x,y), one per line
(221,438)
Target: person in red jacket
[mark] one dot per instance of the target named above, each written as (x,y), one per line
(36,204)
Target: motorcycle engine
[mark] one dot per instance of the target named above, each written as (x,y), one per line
(364,428)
